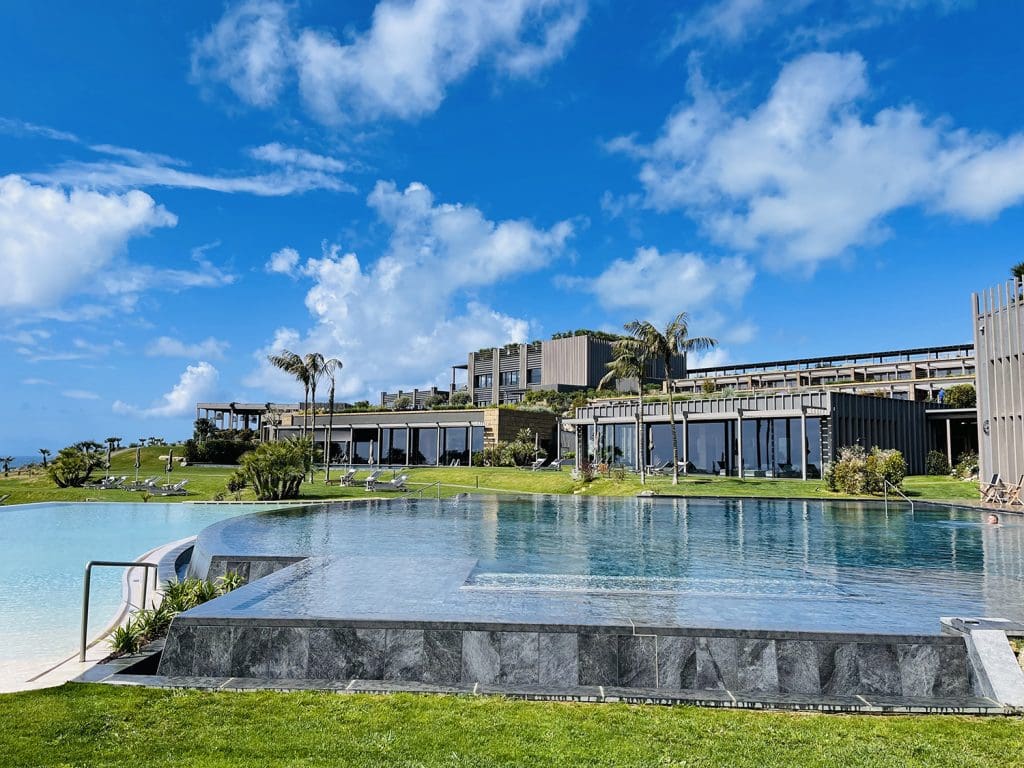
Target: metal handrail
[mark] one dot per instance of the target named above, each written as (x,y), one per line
(88,584)
(413,492)
(885,491)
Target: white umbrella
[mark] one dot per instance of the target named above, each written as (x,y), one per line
(170,464)
(109,448)
(138,462)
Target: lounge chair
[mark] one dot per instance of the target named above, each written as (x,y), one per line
(109,484)
(373,478)
(660,469)
(1015,493)
(4,498)
(178,489)
(348,478)
(534,466)
(993,492)
(556,466)
(143,485)
(396,484)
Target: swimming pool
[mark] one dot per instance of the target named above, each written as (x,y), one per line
(815,566)
(45,548)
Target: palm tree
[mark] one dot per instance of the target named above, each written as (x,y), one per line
(45,453)
(331,366)
(629,362)
(1017,270)
(315,370)
(6,461)
(646,341)
(291,363)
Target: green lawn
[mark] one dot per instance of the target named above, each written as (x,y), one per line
(95,725)
(206,482)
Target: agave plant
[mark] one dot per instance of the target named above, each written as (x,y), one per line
(127,638)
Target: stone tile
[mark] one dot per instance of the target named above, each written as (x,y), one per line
(716,663)
(404,656)
(288,652)
(797,666)
(598,658)
(178,657)
(677,662)
(341,653)
(878,669)
(637,665)
(213,646)
(837,668)
(756,666)
(954,673)
(260,568)
(442,656)
(250,652)
(918,667)
(558,662)
(519,655)
(480,657)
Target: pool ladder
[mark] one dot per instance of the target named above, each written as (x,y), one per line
(420,491)
(886,485)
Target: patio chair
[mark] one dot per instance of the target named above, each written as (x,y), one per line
(4,498)
(535,465)
(396,484)
(348,478)
(660,469)
(177,489)
(373,478)
(993,492)
(1015,493)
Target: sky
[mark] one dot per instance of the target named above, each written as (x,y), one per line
(188,187)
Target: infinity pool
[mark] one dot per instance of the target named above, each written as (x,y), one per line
(755,563)
(44,551)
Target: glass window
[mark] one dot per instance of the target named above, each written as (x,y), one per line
(483,380)
(363,441)
(478,440)
(661,443)
(813,447)
(392,446)
(533,375)
(424,446)
(455,449)
(712,447)
(509,378)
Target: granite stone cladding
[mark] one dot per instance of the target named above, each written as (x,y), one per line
(509,656)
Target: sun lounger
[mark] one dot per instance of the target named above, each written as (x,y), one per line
(178,489)
(660,469)
(535,465)
(397,484)
(4,498)
(1015,493)
(993,492)
(348,478)
(555,466)
(373,478)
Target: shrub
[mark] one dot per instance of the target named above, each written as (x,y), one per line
(961,396)
(966,465)
(72,467)
(857,471)
(936,463)
(460,399)
(708,386)
(217,450)
(437,400)
(127,638)
(276,470)
(401,403)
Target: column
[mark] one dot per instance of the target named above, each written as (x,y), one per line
(803,442)
(641,443)
(437,460)
(739,444)
(496,376)
(949,441)
(686,441)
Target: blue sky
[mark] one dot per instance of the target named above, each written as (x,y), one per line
(186,188)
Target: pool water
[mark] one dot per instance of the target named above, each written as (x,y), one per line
(753,563)
(44,551)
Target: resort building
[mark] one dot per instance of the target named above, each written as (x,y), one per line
(904,374)
(754,435)
(418,438)
(244,415)
(999,340)
(566,362)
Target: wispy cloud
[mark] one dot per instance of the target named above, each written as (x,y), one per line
(166,346)
(197,382)
(80,394)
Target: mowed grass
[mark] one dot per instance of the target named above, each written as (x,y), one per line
(94,725)
(206,483)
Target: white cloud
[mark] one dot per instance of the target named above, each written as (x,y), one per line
(278,154)
(400,67)
(35,382)
(27,337)
(734,21)
(55,243)
(398,320)
(283,261)
(660,283)
(196,383)
(165,346)
(80,394)
(804,176)
(14,127)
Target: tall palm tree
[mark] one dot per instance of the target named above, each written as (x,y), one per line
(629,362)
(45,452)
(331,366)
(293,364)
(7,461)
(646,340)
(314,362)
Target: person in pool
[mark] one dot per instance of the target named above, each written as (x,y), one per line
(993,519)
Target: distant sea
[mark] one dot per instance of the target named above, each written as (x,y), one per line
(21,461)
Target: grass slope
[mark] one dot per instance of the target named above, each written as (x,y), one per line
(97,725)
(206,482)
